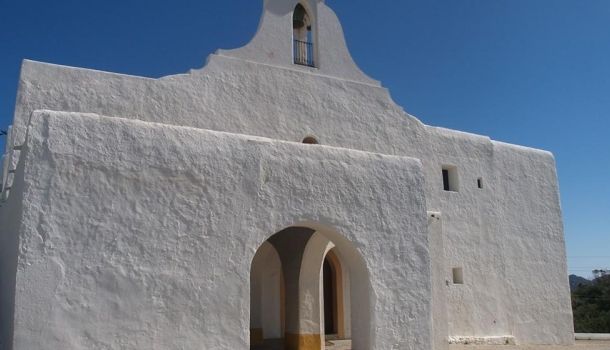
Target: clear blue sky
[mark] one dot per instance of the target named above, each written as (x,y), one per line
(530,72)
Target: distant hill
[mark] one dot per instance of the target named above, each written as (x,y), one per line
(575,281)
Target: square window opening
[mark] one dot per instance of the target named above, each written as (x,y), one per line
(450,178)
(458,275)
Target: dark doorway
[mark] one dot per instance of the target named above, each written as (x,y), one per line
(330,298)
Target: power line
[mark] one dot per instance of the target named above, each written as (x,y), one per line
(592,268)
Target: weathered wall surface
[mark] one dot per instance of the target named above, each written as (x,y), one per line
(347,115)
(531,209)
(507,237)
(438,275)
(472,238)
(140,235)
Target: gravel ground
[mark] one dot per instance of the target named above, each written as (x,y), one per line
(580,345)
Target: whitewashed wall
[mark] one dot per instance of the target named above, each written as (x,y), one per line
(145,240)
(507,237)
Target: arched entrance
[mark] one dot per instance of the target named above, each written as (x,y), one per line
(301,292)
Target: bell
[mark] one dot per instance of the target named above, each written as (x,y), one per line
(298,23)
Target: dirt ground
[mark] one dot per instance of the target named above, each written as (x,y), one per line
(580,345)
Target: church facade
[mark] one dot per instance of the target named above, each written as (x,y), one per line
(277,198)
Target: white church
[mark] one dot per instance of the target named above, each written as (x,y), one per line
(275,199)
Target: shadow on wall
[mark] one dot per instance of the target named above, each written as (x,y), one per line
(10,214)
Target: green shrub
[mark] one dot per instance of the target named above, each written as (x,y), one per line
(591,307)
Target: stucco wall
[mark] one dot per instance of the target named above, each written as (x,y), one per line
(238,96)
(140,235)
(535,256)
(439,284)
(496,234)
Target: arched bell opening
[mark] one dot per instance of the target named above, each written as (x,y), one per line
(303,36)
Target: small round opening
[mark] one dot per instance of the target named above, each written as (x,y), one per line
(310,140)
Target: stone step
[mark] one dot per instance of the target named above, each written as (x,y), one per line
(278,344)
(339,344)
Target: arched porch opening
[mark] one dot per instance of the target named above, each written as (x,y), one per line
(308,307)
